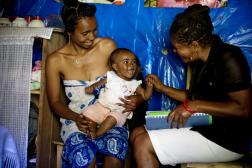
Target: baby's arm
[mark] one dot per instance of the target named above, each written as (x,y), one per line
(90,89)
(145,93)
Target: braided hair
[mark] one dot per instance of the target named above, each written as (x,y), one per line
(73,11)
(194,24)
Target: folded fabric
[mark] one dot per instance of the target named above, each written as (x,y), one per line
(8,152)
(35,85)
(36,76)
(38,65)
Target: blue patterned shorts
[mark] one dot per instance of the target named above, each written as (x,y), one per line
(79,150)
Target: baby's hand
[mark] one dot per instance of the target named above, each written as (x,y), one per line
(154,79)
(89,90)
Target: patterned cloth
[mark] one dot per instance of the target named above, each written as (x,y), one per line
(79,150)
(79,100)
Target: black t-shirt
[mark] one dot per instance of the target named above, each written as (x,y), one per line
(226,70)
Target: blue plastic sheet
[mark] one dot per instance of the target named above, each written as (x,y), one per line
(145,32)
(23,8)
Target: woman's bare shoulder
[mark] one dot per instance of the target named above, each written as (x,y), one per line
(105,42)
(56,59)
(57,54)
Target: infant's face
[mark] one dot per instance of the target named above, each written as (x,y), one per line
(126,65)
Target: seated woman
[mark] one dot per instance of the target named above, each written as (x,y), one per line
(80,63)
(220,86)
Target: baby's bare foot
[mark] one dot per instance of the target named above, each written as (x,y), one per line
(92,132)
(92,135)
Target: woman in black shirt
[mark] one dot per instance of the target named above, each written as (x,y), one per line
(220,86)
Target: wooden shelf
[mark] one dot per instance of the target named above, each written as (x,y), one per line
(59,30)
(35,91)
(48,123)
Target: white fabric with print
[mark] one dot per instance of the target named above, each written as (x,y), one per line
(116,88)
(75,92)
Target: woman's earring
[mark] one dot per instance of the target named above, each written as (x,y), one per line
(195,55)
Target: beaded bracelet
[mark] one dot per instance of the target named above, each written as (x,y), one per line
(185,104)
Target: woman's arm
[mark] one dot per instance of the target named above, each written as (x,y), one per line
(53,93)
(177,94)
(236,74)
(239,105)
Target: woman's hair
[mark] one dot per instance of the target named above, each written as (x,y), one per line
(194,24)
(73,11)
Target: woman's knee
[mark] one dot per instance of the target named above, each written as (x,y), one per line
(135,133)
(142,143)
(110,161)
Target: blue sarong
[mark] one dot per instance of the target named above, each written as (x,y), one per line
(80,150)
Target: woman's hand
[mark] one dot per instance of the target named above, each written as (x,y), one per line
(154,79)
(149,82)
(83,123)
(178,116)
(130,103)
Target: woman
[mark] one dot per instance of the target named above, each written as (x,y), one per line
(220,86)
(81,62)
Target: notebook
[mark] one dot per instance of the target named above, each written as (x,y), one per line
(158,120)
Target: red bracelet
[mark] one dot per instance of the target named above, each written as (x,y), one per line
(185,104)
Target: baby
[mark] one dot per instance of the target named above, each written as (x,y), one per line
(120,82)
